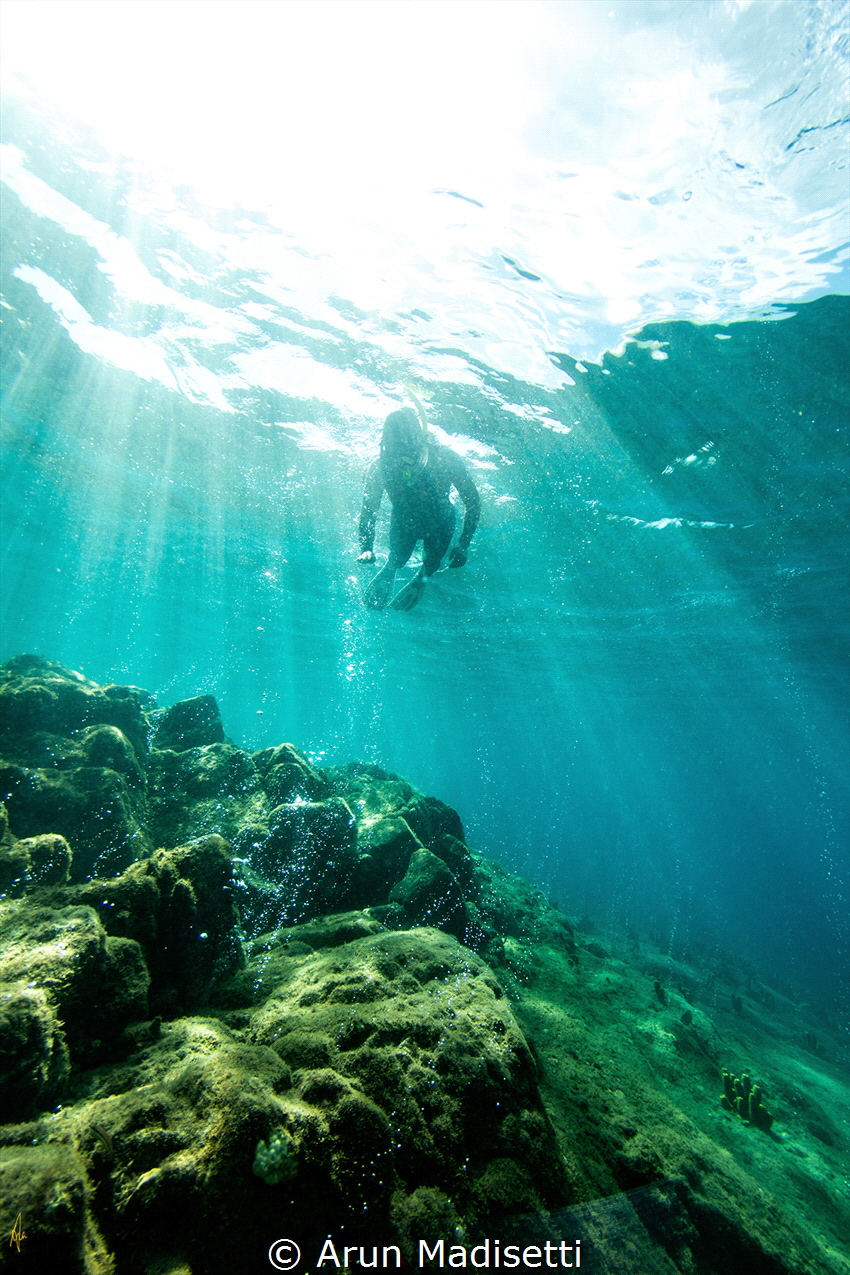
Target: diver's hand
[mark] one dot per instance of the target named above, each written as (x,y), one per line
(457,557)
(366,556)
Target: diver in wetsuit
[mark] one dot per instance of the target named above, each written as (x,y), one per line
(418,474)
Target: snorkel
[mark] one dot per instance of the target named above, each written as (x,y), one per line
(419,408)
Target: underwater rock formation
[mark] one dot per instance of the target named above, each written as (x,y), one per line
(251,997)
(191,723)
(96,984)
(340,1056)
(745,1099)
(180,907)
(74,756)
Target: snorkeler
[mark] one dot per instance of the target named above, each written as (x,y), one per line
(418,474)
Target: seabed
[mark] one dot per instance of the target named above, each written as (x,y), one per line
(244,998)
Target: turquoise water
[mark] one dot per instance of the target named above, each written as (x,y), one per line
(635,693)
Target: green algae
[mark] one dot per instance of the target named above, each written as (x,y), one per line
(275,1161)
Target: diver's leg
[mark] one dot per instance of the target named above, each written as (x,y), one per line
(435,544)
(403,536)
(402,541)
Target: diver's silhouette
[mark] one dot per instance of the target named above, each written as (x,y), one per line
(417,473)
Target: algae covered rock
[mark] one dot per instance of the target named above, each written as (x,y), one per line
(514,915)
(48,859)
(326,931)
(30,862)
(49,1188)
(412,1032)
(109,747)
(72,762)
(306,837)
(190,723)
(14,869)
(385,845)
(287,776)
(202,789)
(97,984)
(410,850)
(34,1061)
(91,806)
(356,848)
(430,893)
(304,864)
(40,696)
(176,1137)
(380,1080)
(431,818)
(180,907)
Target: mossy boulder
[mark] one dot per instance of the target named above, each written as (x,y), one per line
(378,1082)
(395,822)
(412,1032)
(208,788)
(49,1187)
(326,931)
(306,861)
(109,747)
(288,776)
(34,1060)
(190,723)
(30,862)
(91,806)
(173,1141)
(431,818)
(430,893)
(385,845)
(40,696)
(180,907)
(72,762)
(96,983)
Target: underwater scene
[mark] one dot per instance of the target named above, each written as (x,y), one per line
(424,680)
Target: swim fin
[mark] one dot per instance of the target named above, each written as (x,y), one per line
(406,598)
(378,591)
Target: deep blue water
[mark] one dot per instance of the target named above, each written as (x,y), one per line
(636,693)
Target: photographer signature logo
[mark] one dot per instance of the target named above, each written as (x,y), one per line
(18,1233)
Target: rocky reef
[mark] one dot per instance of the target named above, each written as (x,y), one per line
(243,997)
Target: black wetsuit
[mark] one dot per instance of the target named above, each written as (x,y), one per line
(421,507)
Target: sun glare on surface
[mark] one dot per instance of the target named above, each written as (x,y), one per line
(256,97)
(615,164)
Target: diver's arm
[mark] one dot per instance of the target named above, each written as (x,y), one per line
(372,494)
(468,493)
